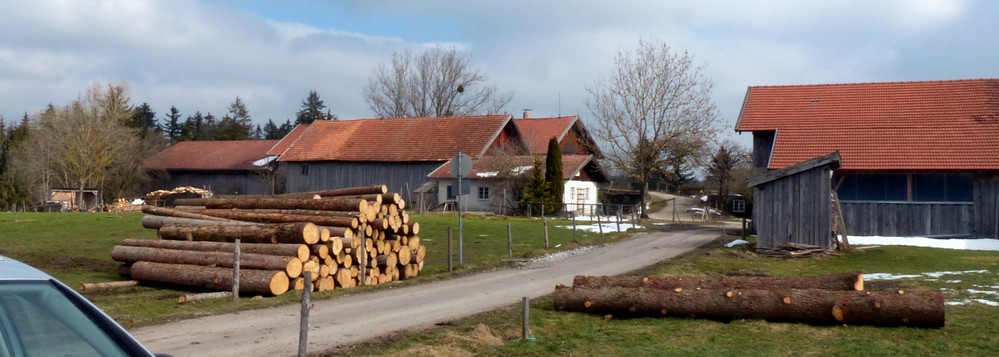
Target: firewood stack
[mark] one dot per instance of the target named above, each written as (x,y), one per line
(281,237)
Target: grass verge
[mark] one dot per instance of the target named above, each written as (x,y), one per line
(970,329)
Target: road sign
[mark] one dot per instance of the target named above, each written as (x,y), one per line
(461,165)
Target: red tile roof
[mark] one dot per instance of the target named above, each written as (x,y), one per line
(929,125)
(537,131)
(396,139)
(211,155)
(493,166)
(288,140)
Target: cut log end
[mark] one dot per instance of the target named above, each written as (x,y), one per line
(294,268)
(859,285)
(311,233)
(787,300)
(837,313)
(279,283)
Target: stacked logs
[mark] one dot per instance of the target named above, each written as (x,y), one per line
(281,237)
(829,299)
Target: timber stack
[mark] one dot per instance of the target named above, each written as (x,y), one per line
(334,234)
(828,299)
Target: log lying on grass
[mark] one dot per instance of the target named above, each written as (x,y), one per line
(307,233)
(285,249)
(215,278)
(891,308)
(109,284)
(203,296)
(844,281)
(290,265)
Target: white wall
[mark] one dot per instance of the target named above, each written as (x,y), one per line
(578,193)
(471,201)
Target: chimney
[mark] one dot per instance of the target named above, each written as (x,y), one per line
(527,113)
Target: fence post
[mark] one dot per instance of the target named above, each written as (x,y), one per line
(545,221)
(617,218)
(574,229)
(600,226)
(303,326)
(450,254)
(364,260)
(526,308)
(509,241)
(235,272)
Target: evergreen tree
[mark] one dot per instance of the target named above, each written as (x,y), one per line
(208,128)
(285,128)
(236,124)
(271,130)
(173,126)
(535,189)
(143,118)
(312,110)
(258,134)
(191,129)
(553,175)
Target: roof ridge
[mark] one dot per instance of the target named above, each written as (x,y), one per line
(872,83)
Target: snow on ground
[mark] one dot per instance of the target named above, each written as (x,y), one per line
(983,294)
(608,227)
(965,244)
(551,257)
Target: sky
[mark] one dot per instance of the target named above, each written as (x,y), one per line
(199,55)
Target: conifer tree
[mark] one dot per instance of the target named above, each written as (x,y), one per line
(553,175)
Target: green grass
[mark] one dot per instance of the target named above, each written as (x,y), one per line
(76,248)
(970,329)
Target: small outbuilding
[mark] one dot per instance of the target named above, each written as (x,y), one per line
(794,204)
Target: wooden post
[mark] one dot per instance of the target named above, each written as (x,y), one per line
(303,326)
(509,241)
(600,226)
(364,260)
(743,228)
(574,229)
(526,308)
(450,254)
(545,221)
(617,218)
(235,272)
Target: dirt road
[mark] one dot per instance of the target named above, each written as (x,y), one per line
(350,319)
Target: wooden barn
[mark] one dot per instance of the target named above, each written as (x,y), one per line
(793,204)
(919,158)
(397,152)
(229,167)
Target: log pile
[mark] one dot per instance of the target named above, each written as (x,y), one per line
(831,299)
(281,237)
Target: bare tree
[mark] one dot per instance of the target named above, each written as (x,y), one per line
(653,100)
(724,164)
(437,82)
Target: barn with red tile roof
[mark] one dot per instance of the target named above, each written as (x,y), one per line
(398,152)
(224,167)
(918,158)
(572,136)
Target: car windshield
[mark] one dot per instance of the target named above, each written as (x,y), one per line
(37,319)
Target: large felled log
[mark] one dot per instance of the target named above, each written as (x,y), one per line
(897,307)
(307,233)
(155,222)
(160,211)
(340,231)
(290,265)
(215,278)
(259,217)
(358,205)
(844,281)
(350,191)
(285,249)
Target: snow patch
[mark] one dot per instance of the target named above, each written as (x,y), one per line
(488,174)
(552,257)
(965,244)
(736,242)
(607,227)
(520,169)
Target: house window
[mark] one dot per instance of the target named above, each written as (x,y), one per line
(305,170)
(450,193)
(943,188)
(483,193)
(582,194)
(873,188)
(738,206)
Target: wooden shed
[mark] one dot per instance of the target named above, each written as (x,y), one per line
(793,204)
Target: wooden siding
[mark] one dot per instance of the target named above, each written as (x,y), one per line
(986,199)
(795,208)
(219,182)
(329,175)
(908,219)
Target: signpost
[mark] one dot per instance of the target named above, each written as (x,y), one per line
(461,166)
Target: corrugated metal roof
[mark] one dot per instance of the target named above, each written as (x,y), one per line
(211,155)
(396,139)
(927,125)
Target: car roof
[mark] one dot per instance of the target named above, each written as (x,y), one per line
(11,269)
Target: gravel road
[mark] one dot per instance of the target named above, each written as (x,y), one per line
(354,318)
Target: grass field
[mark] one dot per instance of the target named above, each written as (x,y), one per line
(76,248)
(970,331)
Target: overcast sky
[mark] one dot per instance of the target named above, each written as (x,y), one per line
(199,55)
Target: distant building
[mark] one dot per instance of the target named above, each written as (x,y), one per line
(228,167)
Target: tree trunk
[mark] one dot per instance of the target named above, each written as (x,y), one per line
(320,250)
(170,212)
(910,308)
(348,222)
(307,233)
(361,216)
(155,222)
(109,284)
(203,296)
(278,203)
(845,281)
(351,191)
(290,265)
(215,278)
(289,250)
